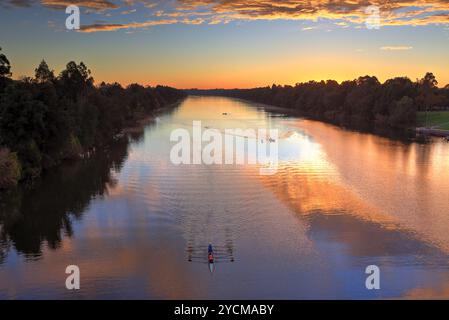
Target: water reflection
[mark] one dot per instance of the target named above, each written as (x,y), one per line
(407,181)
(136,224)
(30,217)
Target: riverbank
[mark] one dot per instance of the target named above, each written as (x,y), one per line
(362,103)
(433,123)
(433,132)
(47,120)
(147,119)
(399,134)
(12,168)
(433,119)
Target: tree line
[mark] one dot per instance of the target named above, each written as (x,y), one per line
(47,119)
(357,103)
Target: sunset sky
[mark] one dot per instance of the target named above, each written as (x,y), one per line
(228,44)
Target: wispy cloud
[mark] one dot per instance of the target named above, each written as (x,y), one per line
(396,48)
(21,3)
(118,26)
(344,13)
(97,27)
(92,4)
(308,28)
(129,11)
(392,12)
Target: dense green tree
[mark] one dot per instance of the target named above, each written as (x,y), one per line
(75,80)
(10,169)
(427,93)
(363,102)
(22,125)
(360,101)
(402,112)
(48,119)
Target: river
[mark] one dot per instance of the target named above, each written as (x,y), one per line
(138,226)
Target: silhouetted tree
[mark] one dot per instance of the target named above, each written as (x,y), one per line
(46,120)
(402,113)
(429,81)
(43,73)
(5,70)
(427,93)
(363,102)
(5,67)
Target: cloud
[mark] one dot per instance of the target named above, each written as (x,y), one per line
(138,25)
(392,12)
(146,3)
(308,28)
(21,3)
(118,26)
(91,4)
(345,13)
(396,48)
(129,11)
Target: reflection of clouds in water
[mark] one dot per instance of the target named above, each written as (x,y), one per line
(316,187)
(406,181)
(307,231)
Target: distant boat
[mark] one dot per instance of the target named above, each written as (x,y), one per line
(225,113)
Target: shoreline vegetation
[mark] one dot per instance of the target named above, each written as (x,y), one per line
(360,104)
(139,125)
(48,119)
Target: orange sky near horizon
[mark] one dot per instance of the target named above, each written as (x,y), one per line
(221,44)
(287,71)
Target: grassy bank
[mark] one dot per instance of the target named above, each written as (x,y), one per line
(434,119)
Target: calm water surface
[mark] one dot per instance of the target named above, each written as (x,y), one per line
(138,226)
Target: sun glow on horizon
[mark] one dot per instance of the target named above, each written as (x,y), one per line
(240,47)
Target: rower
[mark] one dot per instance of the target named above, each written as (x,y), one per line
(210,254)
